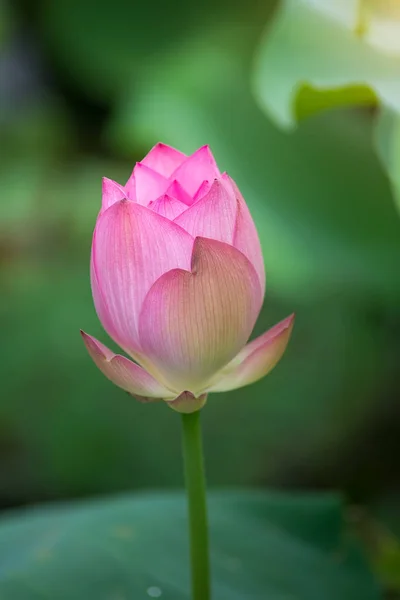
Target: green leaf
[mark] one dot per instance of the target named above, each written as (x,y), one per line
(307,61)
(263,546)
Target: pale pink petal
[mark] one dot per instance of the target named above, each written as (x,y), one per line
(145,399)
(168,207)
(193,323)
(246,237)
(213,216)
(111,193)
(101,306)
(130,186)
(123,372)
(132,247)
(265,338)
(202,191)
(199,167)
(256,359)
(163,159)
(187,403)
(148,184)
(176,191)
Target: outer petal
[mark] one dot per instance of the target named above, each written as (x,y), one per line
(111,192)
(123,372)
(245,236)
(168,207)
(163,159)
(213,216)
(256,359)
(193,323)
(148,184)
(132,247)
(199,167)
(101,305)
(187,403)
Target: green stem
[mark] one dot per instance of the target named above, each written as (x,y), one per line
(196,494)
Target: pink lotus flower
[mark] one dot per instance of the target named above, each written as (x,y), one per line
(178,282)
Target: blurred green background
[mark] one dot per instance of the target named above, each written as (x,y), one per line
(86,88)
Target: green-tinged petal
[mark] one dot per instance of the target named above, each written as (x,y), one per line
(193,323)
(187,403)
(256,359)
(123,372)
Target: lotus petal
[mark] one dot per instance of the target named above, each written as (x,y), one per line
(123,372)
(164,159)
(213,216)
(168,207)
(194,322)
(256,359)
(132,247)
(111,192)
(197,168)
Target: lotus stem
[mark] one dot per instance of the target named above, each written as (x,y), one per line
(197,505)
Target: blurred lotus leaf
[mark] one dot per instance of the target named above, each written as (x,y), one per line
(263,546)
(317,54)
(387,139)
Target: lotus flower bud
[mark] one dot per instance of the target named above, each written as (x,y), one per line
(178,281)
